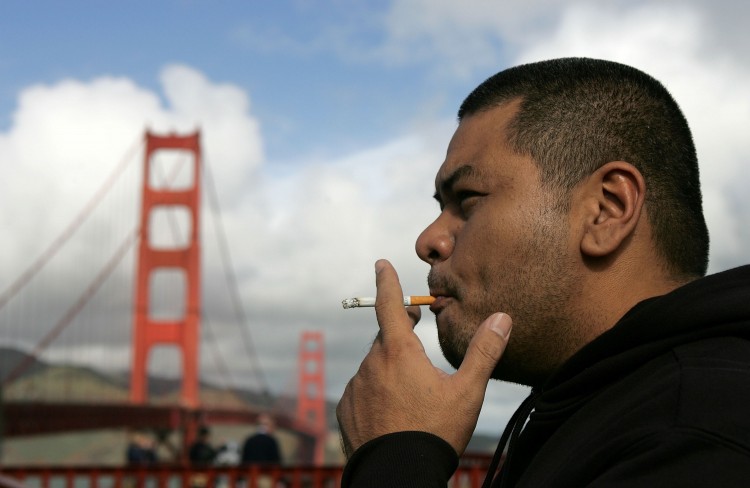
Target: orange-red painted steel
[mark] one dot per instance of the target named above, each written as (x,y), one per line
(163,476)
(311,389)
(184,332)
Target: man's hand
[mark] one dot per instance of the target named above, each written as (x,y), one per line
(398,389)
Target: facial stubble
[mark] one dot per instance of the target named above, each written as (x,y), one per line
(534,286)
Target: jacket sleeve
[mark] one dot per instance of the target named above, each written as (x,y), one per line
(401,459)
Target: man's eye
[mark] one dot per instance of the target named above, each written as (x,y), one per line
(467,199)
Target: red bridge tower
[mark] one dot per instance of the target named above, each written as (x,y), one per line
(183,332)
(311,401)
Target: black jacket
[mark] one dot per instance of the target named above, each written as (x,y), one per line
(661,399)
(261,447)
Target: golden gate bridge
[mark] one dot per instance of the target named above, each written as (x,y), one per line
(29,417)
(165,270)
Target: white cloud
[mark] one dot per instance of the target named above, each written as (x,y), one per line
(230,135)
(64,141)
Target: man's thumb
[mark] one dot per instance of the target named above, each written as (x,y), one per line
(487,346)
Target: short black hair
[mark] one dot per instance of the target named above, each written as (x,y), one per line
(577,114)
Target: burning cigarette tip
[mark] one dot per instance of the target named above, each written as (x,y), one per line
(350,303)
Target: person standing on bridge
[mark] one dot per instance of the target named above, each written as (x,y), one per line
(262,446)
(570,201)
(201,452)
(140,450)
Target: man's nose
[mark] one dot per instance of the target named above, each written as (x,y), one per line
(436,242)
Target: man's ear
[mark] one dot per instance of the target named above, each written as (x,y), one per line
(614,196)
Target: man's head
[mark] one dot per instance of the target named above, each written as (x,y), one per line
(265,423)
(562,182)
(577,114)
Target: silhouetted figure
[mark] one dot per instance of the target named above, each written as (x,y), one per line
(201,452)
(262,446)
(140,451)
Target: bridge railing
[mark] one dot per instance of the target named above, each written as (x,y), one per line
(177,476)
(168,476)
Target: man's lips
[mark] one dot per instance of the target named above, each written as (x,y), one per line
(443,288)
(441,301)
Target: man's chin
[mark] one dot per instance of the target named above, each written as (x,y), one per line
(512,372)
(451,353)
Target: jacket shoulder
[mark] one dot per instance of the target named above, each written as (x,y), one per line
(715,389)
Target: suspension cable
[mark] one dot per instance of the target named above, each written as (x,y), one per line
(232,280)
(73,311)
(90,291)
(174,226)
(67,233)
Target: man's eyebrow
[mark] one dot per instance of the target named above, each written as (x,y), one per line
(447,184)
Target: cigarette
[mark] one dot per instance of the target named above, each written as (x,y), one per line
(370,301)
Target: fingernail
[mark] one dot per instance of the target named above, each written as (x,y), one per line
(501,324)
(379,265)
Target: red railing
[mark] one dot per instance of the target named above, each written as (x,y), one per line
(164,476)
(174,476)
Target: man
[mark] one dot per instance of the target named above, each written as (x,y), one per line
(262,446)
(570,201)
(201,452)
(140,450)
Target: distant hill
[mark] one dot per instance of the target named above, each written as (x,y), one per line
(64,382)
(10,358)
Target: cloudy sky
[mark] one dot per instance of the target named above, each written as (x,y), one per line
(323,124)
